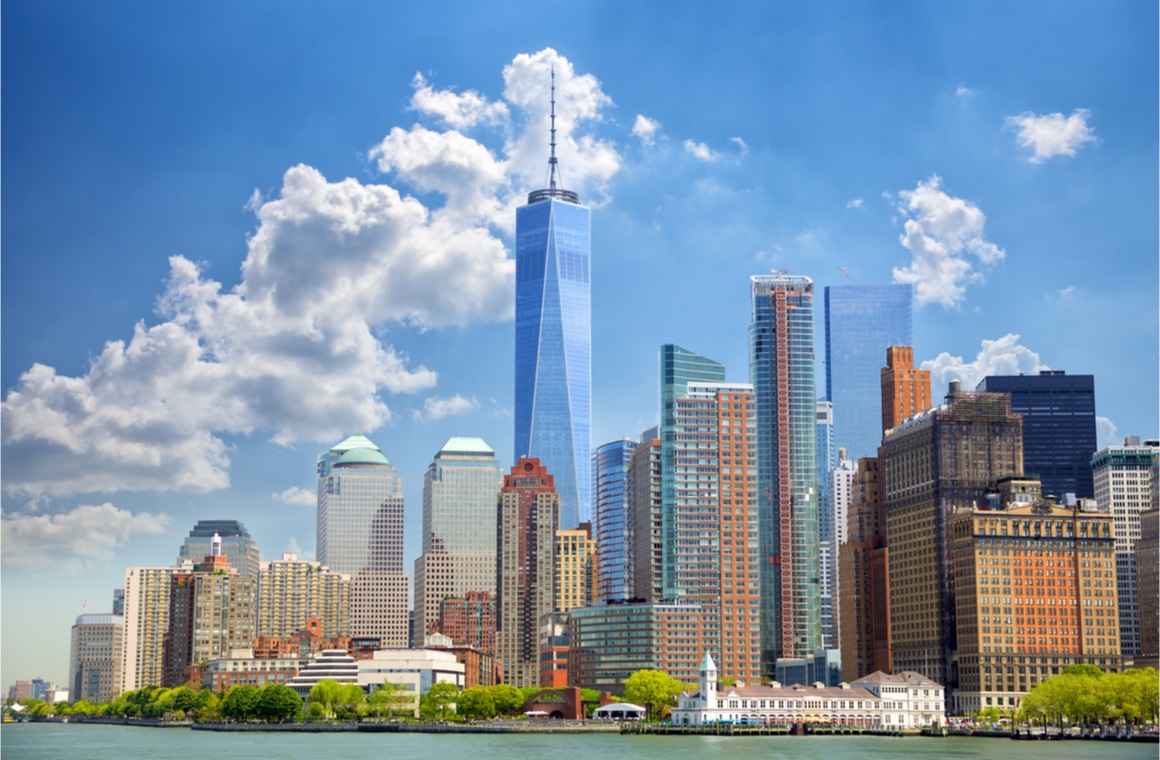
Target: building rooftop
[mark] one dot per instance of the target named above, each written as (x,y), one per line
(355,442)
(362,456)
(461,445)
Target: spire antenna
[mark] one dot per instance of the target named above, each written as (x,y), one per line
(552,158)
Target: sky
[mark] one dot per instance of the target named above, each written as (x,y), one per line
(235,233)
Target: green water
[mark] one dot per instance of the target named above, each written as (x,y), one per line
(80,742)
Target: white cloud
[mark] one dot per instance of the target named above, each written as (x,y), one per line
(741,144)
(75,539)
(297,349)
(456,111)
(435,408)
(1052,134)
(699,150)
(996,357)
(646,129)
(1068,292)
(854,203)
(296,495)
(293,547)
(940,231)
(1106,433)
(964,93)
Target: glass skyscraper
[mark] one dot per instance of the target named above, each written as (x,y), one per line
(679,367)
(1059,427)
(781,368)
(237,545)
(862,321)
(554,340)
(612,488)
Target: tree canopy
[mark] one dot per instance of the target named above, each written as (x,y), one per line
(1086,694)
(654,690)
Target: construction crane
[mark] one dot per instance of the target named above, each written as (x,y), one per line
(843,271)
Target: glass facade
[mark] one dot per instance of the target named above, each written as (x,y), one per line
(862,321)
(1059,427)
(781,368)
(679,367)
(237,545)
(553,345)
(612,488)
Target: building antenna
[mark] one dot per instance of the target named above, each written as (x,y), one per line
(552,157)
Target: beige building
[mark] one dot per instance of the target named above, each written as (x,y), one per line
(146,621)
(933,464)
(1035,591)
(291,591)
(574,569)
(95,658)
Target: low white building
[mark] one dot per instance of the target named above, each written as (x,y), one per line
(904,701)
(412,671)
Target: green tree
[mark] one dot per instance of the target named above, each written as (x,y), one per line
(508,699)
(209,707)
(327,693)
(240,703)
(184,698)
(652,689)
(389,699)
(277,702)
(438,700)
(476,703)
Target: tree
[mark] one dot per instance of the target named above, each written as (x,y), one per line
(438,699)
(476,703)
(240,703)
(327,693)
(184,698)
(389,699)
(652,689)
(277,702)
(209,707)
(508,699)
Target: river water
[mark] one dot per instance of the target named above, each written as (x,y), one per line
(93,742)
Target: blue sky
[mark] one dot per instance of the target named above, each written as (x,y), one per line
(235,233)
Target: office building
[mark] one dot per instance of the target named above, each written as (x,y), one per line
(95,657)
(1059,427)
(863,579)
(831,536)
(146,621)
(469,620)
(292,591)
(679,367)
(862,321)
(1034,593)
(527,521)
(574,568)
(1125,487)
(612,518)
(823,666)
(1147,551)
(459,493)
(781,368)
(827,456)
(211,612)
(237,545)
(647,513)
(905,390)
(554,339)
(360,534)
(932,465)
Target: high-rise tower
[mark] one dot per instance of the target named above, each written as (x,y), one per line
(612,490)
(554,338)
(781,368)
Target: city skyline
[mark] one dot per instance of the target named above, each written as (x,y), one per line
(1024,184)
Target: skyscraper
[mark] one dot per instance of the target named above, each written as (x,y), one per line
(237,545)
(527,518)
(833,513)
(574,568)
(292,591)
(647,526)
(1059,427)
(360,533)
(905,390)
(554,339)
(862,321)
(612,524)
(781,368)
(95,658)
(1124,488)
(146,622)
(459,492)
(679,367)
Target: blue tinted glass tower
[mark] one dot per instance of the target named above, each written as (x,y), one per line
(862,321)
(1059,427)
(612,491)
(554,339)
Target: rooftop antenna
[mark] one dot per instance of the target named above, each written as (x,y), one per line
(552,158)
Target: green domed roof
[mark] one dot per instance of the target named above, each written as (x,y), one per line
(355,442)
(362,456)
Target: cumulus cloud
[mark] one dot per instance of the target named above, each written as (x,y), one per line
(964,94)
(854,203)
(1106,433)
(86,535)
(941,232)
(435,408)
(1004,356)
(645,129)
(293,547)
(297,350)
(1068,292)
(296,495)
(699,150)
(1052,134)
(741,144)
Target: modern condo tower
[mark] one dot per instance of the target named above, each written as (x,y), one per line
(612,489)
(781,368)
(554,338)
(862,321)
